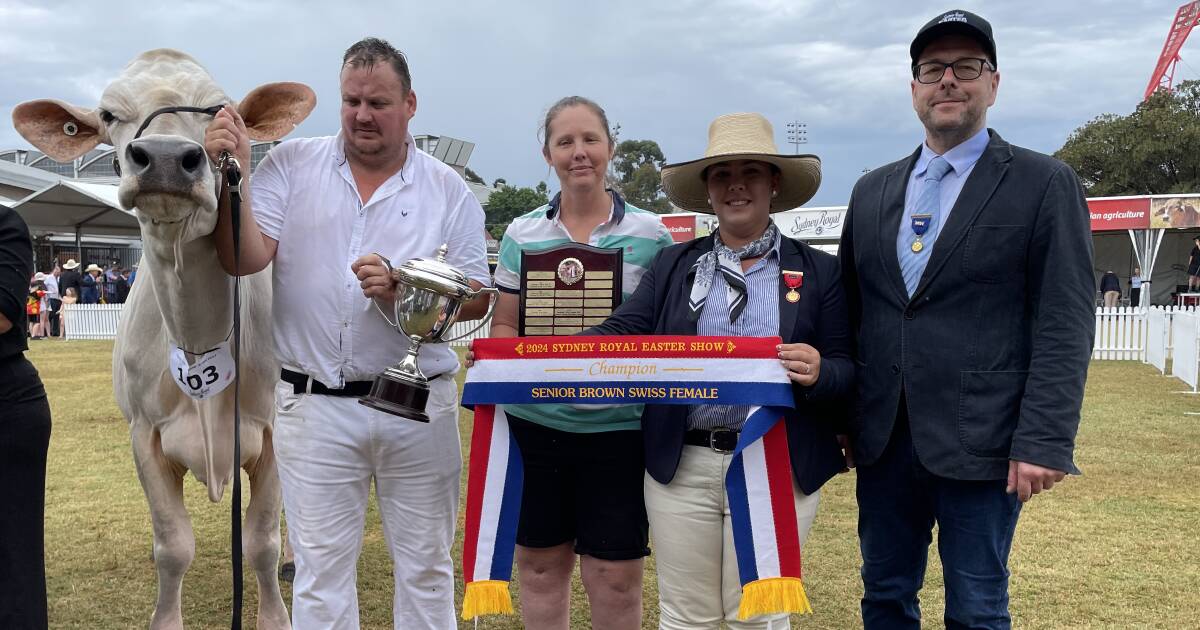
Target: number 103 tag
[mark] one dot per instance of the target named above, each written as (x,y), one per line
(211,373)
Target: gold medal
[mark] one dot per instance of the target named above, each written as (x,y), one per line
(917,246)
(792,296)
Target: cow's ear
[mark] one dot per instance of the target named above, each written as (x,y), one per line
(272,110)
(60,130)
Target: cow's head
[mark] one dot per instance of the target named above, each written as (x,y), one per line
(165,172)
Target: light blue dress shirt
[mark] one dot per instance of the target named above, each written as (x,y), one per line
(760,318)
(962,159)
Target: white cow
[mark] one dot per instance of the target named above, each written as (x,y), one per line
(183,299)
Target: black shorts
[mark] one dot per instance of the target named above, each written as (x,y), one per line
(582,487)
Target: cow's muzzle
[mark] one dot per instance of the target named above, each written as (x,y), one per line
(165,165)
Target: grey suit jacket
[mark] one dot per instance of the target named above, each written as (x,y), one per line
(990,353)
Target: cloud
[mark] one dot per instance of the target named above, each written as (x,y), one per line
(486,72)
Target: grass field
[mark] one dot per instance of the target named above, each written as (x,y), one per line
(1118,547)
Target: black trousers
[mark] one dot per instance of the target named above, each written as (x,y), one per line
(55,309)
(24,440)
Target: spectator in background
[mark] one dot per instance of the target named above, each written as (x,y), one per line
(91,284)
(1135,287)
(121,286)
(70,279)
(1110,287)
(53,301)
(110,282)
(33,306)
(43,304)
(1194,266)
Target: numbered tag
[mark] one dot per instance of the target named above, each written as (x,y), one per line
(207,376)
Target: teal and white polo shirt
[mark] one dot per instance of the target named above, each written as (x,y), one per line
(640,234)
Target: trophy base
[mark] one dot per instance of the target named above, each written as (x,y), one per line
(406,400)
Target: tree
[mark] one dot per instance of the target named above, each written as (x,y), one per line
(636,165)
(1154,150)
(510,202)
(473,177)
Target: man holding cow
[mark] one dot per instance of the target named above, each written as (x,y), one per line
(318,208)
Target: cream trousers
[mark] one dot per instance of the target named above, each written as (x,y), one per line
(692,540)
(330,449)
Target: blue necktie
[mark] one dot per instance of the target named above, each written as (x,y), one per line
(912,264)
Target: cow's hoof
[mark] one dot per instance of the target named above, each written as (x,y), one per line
(287,572)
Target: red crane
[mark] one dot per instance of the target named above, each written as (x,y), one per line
(1186,17)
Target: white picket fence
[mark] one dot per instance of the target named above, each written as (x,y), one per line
(91,321)
(99,321)
(1158,338)
(1120,334)
(1185,330)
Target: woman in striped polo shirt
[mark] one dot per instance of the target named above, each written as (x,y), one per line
(583,464)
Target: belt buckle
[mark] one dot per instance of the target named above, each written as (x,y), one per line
(712,440)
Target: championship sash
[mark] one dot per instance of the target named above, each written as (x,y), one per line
(635,370)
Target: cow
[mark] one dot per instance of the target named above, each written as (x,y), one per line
(177,322)
(1177,214)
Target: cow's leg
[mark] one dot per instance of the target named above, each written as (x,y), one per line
(260,543)
(174,543)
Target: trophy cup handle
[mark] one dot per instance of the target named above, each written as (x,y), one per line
(486,318)
(387,265)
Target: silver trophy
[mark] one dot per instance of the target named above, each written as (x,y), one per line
(429,294)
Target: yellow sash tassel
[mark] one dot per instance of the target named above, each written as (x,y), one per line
(770,596)
(486,597)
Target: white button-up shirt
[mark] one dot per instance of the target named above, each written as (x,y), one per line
(304,196)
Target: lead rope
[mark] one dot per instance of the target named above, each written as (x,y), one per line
(233,176)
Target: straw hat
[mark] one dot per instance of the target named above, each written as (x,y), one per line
(39,276)
(70,264)
(742,137)
(93,267)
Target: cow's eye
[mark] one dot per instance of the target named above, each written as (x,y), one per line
(107,117)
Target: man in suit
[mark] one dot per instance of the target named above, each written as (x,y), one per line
(968,275)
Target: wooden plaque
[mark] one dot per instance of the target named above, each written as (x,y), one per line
(568,288)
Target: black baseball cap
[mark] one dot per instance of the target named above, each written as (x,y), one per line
(955,22)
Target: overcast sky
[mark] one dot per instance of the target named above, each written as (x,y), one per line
(486,72)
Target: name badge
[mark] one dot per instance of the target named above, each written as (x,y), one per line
(206,375)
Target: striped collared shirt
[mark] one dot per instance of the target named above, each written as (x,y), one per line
(760,318)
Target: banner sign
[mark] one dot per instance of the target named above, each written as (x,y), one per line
(811,223)
(682,227)
(1132,213)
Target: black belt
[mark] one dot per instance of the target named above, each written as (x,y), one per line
(300,383)
(720,440)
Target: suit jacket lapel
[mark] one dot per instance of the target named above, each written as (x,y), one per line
(789,260)
(977,190)
(891,210)
(686,263)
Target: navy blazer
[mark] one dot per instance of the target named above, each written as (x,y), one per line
(990,353)
(660,306)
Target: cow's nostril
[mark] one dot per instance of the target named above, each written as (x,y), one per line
(139,156)
(192,159)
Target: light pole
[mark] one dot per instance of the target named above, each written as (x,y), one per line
(797,134)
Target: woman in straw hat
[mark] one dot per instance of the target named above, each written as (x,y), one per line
(582,492)
(746,279)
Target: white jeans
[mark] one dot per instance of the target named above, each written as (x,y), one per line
(698,584)
(329,449)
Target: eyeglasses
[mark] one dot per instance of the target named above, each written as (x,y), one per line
(965,69)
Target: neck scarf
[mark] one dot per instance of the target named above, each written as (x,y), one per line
(729,263)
